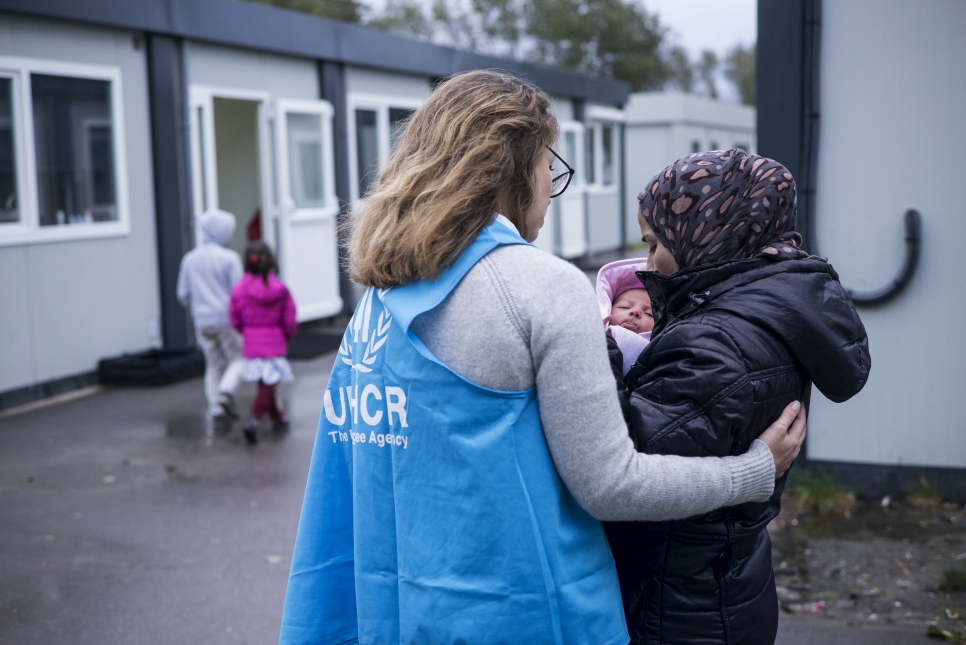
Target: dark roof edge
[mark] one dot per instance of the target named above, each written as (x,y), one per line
(264,28)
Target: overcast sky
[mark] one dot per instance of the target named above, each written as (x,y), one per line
(717,25)
(708,24)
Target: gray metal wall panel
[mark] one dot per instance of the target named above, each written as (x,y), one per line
(370,81)
(604,221)
(649,148)
(563,108)
(91,298)
(891,115)
(16,338)
(231,67)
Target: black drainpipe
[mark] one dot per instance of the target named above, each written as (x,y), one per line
(811,65)
(332,88)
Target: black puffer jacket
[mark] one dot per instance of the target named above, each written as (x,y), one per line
(733,344)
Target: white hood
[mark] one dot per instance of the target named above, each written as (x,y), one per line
(217,226)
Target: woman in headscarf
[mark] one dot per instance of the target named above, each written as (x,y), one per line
(745,321)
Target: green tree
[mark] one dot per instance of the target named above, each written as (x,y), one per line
(740,70)
(404,17)
(487,26)
(342,10)
(502,23)
(456,24)
(609,38)
(707,68)
(682,71)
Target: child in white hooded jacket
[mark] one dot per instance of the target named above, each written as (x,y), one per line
(208,274)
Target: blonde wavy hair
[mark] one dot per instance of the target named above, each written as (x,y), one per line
(467,153)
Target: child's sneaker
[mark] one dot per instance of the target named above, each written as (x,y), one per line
(250,430)
(227,403)
(280,424)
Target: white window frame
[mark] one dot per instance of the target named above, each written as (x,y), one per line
(598,185)
(28,229)
(324,110)
(380,104)
(19,227)
(599,117)
(579,181)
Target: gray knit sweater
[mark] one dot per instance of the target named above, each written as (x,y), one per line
(523,318)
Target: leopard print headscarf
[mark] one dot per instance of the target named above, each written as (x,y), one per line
(722,205)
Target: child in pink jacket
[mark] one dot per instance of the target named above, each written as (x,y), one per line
(263,311)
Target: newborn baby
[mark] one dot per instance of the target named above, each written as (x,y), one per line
(625,307)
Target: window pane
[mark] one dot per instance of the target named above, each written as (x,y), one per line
(305,159)
(591,153)
(74,136)
(607,143)
(102,167)
(367,149)
(9,208)
(397,117)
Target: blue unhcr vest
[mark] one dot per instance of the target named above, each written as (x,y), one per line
(433,512)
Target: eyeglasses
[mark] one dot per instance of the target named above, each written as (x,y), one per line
(561,181)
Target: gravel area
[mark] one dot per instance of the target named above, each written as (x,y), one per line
(883,565)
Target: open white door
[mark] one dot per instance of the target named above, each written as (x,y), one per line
(308,251)
(204,175)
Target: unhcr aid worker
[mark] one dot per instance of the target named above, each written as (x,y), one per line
(471,436)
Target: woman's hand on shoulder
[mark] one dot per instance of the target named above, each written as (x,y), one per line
(785,437)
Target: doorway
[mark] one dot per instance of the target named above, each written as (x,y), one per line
(231,161)
(255,154)
(237,164)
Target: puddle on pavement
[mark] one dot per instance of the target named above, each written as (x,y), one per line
(187,426)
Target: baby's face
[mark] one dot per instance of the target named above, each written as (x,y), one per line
(632,310)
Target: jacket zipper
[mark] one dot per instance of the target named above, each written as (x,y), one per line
(724,566)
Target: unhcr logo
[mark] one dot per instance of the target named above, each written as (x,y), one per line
(369,404)
(374,336)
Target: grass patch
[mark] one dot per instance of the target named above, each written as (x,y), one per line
(953,579)
(924,495)
(947,635)
(822,494)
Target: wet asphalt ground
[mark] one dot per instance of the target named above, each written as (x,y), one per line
(123,521)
